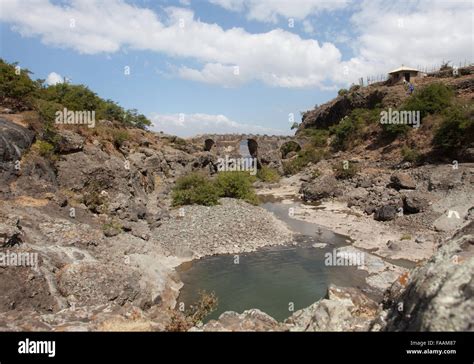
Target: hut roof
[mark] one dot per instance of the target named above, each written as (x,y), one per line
(403,69)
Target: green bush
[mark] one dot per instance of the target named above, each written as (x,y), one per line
(49,99)
(44,148)
(345,133)
(342,92)
(345,170)
(236,184)
(195,189)
(456,129)
(430,99)
(410,155)
(267,174)
(15,86)
(318,137)
(303,158)
(288,147)
(119,137)
(351,128)
(393,131)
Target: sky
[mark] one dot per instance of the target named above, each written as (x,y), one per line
(229,66)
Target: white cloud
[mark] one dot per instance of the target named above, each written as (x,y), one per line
(54,78)
(422,33)
(185,125)
(114,25)
(432,31)
(271,10)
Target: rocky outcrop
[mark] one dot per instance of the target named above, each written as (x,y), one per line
(323,187)
(343,309)
(332,112)
(403,181)
(438,296)
(250,320)
(14,140)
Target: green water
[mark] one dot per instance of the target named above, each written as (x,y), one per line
(274,279)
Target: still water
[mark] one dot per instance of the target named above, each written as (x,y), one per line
(273,279)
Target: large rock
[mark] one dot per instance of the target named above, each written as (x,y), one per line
(343,309)
(324,187)
(385,213)
(70,142)
(414,203)
(92,283)
(14,140)
(403,181)
(438,296)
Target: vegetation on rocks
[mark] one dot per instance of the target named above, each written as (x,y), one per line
(267,174)
(198,189)
(345,170)
(16,85)
(194,314)
(195,189)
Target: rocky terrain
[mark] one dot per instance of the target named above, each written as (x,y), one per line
(97,214)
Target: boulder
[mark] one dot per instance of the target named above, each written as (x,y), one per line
(70,142)
(438,296)
(414,203)
(403,181)
(386,213)
(323,187)
(343,309)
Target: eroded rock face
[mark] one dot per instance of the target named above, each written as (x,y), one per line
(92,283)
(332,112)
(438,296)
(14,140)
(250,320)
(343,309)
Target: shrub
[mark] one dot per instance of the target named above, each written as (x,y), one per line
(304,157)
(410,155)
(351,128)
(267,174)
(14,86)
(345,133)
(288,147)
(342,92)
(183,321)
(392,131)
(456,129)
(318,137)
(119,137)
(195,188)
(345,170)
(430,99)
(237,184)
(44,148)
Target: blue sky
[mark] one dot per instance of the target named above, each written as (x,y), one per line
(184,55)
